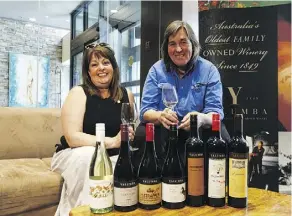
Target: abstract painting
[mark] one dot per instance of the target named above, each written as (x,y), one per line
(28,80)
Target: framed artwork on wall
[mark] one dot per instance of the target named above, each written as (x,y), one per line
(28,80)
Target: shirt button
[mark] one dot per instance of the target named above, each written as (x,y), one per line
(182,87)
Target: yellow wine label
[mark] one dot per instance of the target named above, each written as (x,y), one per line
(101,194)
(149,194)
(238,178)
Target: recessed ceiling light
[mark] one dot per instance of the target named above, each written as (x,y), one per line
(114,11)
(47,17)
(67,20)
(32,19)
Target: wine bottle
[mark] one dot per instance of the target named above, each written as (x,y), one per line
(149,175)
(238,166)
(195,166)
(173,175)
(100,176)
(125,181)
(216,148)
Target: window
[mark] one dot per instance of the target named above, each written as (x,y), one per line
(130,60)
(78,22)
(77,69)
(93,13)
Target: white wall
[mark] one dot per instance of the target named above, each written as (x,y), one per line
(190,14)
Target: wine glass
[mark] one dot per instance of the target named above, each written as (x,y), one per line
(129,115)
(169,96)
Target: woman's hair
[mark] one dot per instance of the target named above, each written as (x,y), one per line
(173,28)
(101,50)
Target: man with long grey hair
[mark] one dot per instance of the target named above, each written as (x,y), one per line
(196,81)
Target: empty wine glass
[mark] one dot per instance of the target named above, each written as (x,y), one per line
(169,96)
(129,115)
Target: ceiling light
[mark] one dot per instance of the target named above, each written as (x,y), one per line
(28,25)
(32,19)
(47,17)
(114,11)
(67,20)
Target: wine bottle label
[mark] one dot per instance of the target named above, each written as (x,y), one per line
(216,175)
(238,164)
(125,193)
(195,155)
(149,191)
(173,190)
(101,193)
(195,174)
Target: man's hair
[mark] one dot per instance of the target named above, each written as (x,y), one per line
(101,50)
(173,28)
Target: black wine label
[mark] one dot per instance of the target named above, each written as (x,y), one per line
(238,155)
(194,155)
(173,180)
(125,184)
(147,181)
(216,155)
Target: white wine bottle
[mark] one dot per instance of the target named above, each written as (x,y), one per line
(101,197)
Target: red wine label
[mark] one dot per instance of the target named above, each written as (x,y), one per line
(173,190)
(149,191)
(125,193)
(195,174)
(238,164)
(100,193)
(216,175)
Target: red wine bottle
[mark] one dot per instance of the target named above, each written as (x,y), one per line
(173,175)
(216,161)
(125,180)
(149,175)
(238,166)
(195,166)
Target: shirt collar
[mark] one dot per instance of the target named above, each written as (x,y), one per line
(191,69)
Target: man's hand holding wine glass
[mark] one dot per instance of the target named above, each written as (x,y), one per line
(168,117)
(169,97)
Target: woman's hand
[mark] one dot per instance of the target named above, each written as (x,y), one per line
(115,142)
(168,117)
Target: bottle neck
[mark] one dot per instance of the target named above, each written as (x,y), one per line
(149,140)
(100,135)
(173,138)
(238,127)
(194,132)
(150,148)
(216,129)
(216,134)
(124,149)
